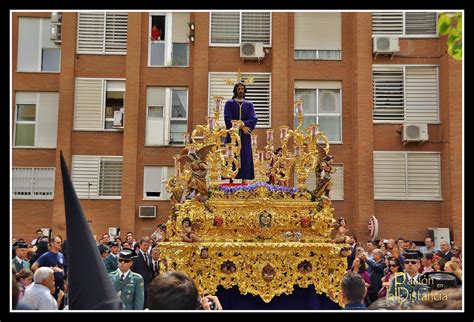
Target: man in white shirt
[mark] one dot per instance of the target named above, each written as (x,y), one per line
(39,295)
(429,246)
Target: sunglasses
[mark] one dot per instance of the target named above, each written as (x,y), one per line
(393,265)
(456,249)
(121,260)
(413,262)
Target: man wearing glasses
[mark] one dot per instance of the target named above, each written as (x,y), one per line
(128,285)
(410,285)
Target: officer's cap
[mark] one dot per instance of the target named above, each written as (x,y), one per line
(20,245)
(112,243)
(413,254)
(127,253)
(103,249)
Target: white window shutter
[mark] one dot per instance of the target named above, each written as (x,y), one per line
(389,175)
(153,175)
(421,94)
(256,27)
(43,183)
(91,33)
(387,23)
(318,31)
(388,93)
(29,46)
(32,183)
(258,93)
(22,180)
(424,176)
(85,170)
(47,119)
(155,124)
(225,28)
(180,31)
(337,191)
(420,23)
(116,32)
(88,111)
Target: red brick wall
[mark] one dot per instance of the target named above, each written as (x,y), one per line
(360,136)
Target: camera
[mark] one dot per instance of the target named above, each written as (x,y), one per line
(212,305)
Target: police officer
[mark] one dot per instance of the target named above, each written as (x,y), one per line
(20,260)
(111,262)
(129,285)
(410,285)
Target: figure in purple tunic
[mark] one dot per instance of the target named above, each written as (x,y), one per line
(238,108)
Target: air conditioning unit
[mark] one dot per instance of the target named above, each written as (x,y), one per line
(414,132)
(438,235)
(55,35)
(147,212)
(118,119)
(56,17)
(251,50)
(114,231)
(385,44)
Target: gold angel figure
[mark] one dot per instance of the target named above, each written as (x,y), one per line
(196,161)
(324,173)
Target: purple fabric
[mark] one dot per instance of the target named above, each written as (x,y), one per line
(231,112)
(300,299)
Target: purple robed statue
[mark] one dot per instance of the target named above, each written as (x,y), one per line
(238,108)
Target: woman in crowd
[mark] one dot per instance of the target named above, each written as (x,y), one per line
(394,267)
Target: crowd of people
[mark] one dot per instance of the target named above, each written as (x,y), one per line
(386,274)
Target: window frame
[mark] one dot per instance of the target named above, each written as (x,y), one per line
(166,173)
(40,48)
(168,42)
(404,35)
(167,110)
(240,30)
(406,189)
(317,114)
(32,180)
(404,67)
(35,122)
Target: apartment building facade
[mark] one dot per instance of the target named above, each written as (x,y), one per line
(115,95)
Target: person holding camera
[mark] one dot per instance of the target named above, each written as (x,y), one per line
(174,290)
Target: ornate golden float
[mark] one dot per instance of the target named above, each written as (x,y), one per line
(264,238)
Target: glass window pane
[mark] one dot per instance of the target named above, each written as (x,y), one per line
(25,135)
(309,100)
(26,112)
(157,54)
(179,102)
(180,54)
(329,54)
(305,54)
(155,111)
(329,101)
(331,126)
(177,129)
(50,59)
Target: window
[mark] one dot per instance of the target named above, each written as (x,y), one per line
(405,93)
(168,41)
(154,187)
(409,24)
(97,101)
(167,115)
(32,183)
(337,190)
(407,175)
(36,119)
(234,28)
(36,52)
(102,33)
(318,35)
(258,93)
(97,177)
(321,105)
